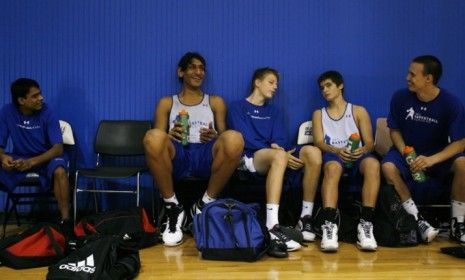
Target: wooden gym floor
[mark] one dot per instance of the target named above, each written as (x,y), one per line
(183,262)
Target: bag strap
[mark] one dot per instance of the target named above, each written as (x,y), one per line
(228,218)
(53,240)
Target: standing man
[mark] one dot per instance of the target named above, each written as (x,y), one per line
(212,152)
(37,144)
(425,116)
(332,127)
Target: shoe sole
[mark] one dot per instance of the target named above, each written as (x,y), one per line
(173,244)
(366,249)
(432,237)
(329,249)
(293,249)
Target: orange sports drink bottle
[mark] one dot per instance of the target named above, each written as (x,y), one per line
(410,155)
(352,145)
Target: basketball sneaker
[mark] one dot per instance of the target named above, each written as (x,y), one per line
(172,234)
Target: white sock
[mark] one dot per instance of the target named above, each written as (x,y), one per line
(458,210)
(307,208)
(172,199)
(207,199)
(272,211)
(410,207)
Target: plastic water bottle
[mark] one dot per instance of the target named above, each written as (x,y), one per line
(410,155)
(184,119)
(352,144)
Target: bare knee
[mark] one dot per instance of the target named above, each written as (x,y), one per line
(389,171)
(311,155)
(155,139)
(231,143)
(371,167)
(332,169)
(458,167)
(60,173)
(279,157)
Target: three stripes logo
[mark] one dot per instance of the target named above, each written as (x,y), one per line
(86,265)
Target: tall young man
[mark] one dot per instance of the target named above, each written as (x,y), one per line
(212,152)
(267,153)
(425,117)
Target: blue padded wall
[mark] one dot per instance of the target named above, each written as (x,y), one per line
(114,59)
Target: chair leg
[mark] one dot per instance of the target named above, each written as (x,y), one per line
(94,182)
(7,216)
(75,197)
(14,207)
(137,189)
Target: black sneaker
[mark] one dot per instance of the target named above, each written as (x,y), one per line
(277,232)
(277,249)
(197,208)
(305,226)
(457,231)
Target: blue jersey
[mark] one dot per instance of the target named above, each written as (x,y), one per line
(31,134)
(260,126)
(427,125)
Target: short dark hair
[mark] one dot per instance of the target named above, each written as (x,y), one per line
(187,58)
(20,88)
(332,75)
(431,65)
(260,73)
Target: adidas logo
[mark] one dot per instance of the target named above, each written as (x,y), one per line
(86,265)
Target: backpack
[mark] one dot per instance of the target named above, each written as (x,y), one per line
(133,223)
(393,226)
(40,245)
(228,229)
(100,257)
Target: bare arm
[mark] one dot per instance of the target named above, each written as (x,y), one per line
(423,162)
(161,119)
(6,160)
(397,139)
(219,111)
(26,164)
(364,126)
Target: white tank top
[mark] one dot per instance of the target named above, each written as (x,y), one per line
(337,132)
(200,115)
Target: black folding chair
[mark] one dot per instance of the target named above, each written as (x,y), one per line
(117,143)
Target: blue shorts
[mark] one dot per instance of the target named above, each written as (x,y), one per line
(433,187)
(45,171)
(352,172)
(193,160)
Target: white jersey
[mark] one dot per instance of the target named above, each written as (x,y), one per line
(337,132)
(200,115)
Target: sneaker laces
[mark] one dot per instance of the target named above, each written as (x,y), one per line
(276,231)
(173,214)
(459,229)
(423,225)
(366,227)
(306,225)
(329,227)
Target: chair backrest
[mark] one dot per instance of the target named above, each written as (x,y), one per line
(382,137)
(305,135)
(121,137)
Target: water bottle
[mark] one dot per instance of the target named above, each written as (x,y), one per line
(410,155)
(184,119)
(352,144)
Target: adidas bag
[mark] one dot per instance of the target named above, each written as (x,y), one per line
(393,226)
(40,245)
(230,230)
(101,257)
(133,223)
